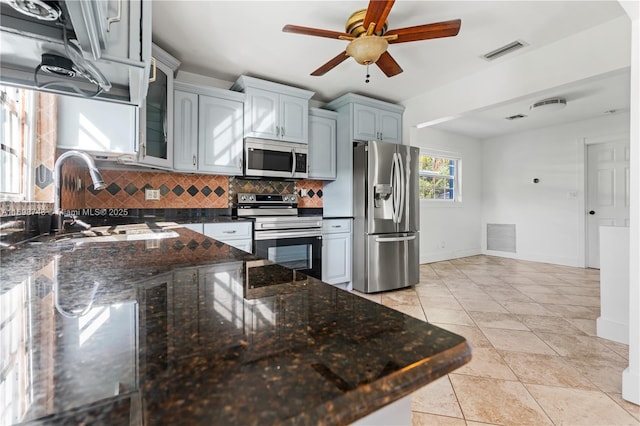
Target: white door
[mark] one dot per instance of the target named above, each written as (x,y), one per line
(607,192)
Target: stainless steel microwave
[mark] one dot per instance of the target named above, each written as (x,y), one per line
(269,158)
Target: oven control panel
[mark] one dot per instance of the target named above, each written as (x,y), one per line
(266,199)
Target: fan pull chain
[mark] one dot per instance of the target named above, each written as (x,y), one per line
(366,80)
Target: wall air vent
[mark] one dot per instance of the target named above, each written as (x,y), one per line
(501,237)
(501,51)
(515,117)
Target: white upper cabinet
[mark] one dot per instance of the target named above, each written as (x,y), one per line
(390,125)
(294,114)
(322,144)
(185,125)
(261,111)
(274,111)
(220,136)
(87,125)
(156,125)
(377,124)
(208,130)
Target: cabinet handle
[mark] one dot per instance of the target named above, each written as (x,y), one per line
(144,149)
(154,67)
(277,130)
(229,232)
(115,18)
(194,160)
(336,226)
(283,132)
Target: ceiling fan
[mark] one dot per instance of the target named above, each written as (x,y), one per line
(366,31)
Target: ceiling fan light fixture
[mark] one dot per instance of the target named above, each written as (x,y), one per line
(366,50)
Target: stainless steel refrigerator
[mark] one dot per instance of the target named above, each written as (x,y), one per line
(386,216)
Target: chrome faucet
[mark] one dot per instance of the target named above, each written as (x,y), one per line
(58,220)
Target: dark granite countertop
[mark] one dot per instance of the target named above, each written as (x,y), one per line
(178,328)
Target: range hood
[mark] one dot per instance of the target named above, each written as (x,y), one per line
(97,49)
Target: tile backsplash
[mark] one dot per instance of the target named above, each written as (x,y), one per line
(126,189)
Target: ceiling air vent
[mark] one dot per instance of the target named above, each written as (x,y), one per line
(501,51)
(515,117)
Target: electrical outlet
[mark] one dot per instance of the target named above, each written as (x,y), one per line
(152,194)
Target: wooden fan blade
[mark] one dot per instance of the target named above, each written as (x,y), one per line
(388,65)
(314,32)
(426,32)
(331,64)
(377,12)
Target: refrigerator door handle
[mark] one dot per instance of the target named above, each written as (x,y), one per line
(394,239)
(392,180)
(402,190)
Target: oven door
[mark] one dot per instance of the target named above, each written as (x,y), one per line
(300,250)
(266,158)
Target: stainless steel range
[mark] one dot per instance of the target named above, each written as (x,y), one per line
(280,235)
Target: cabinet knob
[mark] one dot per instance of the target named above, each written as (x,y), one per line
(194,160)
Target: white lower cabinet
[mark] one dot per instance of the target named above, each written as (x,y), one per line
(236,234)
(336,252)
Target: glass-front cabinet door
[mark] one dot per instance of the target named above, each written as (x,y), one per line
(156,115)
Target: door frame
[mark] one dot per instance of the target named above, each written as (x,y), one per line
(584,239)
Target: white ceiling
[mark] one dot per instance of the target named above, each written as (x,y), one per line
(225,39)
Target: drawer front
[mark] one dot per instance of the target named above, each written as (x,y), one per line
(333,226)
(228,231)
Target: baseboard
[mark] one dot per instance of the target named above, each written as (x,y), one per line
(533,257)
(631,386)
(441,256)
(612,330)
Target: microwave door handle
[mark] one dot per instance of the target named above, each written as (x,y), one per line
(293,169)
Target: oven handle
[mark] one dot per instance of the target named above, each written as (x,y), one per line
(277,235)
(287,225)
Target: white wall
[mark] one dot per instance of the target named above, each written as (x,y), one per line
(631,376)
(456,226)
(550,215)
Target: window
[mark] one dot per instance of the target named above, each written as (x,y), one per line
(16,140)
(439,177)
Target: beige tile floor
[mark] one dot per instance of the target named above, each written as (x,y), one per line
(532,329)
